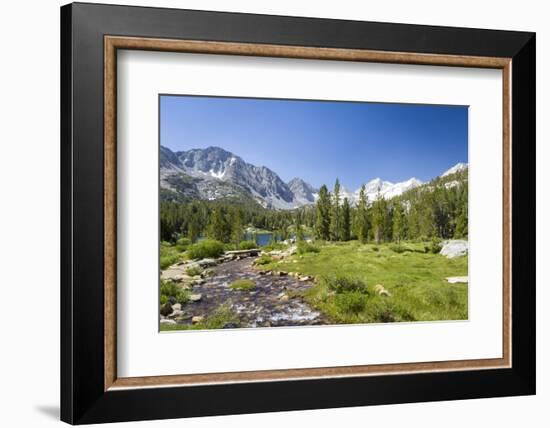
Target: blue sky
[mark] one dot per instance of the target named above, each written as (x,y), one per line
(321,140)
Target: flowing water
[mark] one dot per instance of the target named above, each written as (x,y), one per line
(270,304)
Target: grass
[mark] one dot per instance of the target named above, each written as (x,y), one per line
(306,247)
(243,285)
(274,246)
(209,248)
(415,278)
(264,259)
(169,255)
(194,271)
(222,317)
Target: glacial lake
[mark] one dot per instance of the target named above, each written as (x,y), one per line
(262,238)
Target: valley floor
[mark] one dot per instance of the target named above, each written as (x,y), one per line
(328,283)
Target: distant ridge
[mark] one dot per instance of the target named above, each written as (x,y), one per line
(214,173)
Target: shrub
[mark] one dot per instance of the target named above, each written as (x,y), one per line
(247,245)
(182,296)
(230,246)
(375,248)
(381,309)
(168,289)
(222,317)
(209,248)
(305,247)
(193,271)
(171,292)
(351,303)
(264,259)
(345,284)
(435,246)
(243,284)
(168,255)
(398,248)
(182,244)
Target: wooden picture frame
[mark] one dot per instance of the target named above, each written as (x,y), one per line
(91,390)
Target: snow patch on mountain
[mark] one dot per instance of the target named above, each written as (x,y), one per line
(457,168)
(214,173)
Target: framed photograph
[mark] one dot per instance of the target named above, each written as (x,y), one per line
(265,213)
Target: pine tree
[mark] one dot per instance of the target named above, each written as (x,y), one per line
(379,218)
(193,229)
(398,222)
(322,210)
(218,227)
(335,219)
(362,218)
(237,226)
(298,227)
(346,220)
(461,228)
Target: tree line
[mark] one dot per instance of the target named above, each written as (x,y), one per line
(437,210)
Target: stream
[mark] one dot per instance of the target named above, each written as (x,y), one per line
(270,304)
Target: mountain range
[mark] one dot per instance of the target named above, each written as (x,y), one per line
(214,173)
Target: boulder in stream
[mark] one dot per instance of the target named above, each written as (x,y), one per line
(195,297)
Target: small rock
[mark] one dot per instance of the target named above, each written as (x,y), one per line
(282,273)
(208,272)
(166,309)
(379,288)
(305,278)
(197,319)
(181,278)
(176,307)
(457,279)
(183,317)
(207,262)
(283,297)
(175,314)
(165,321)
(195,297)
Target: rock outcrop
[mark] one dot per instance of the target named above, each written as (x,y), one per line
(454,248)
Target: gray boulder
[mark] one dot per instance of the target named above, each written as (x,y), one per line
(454,248)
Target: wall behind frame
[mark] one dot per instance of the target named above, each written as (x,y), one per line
(29,220)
